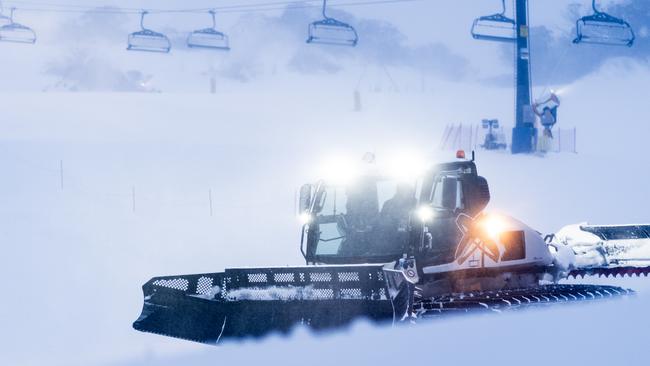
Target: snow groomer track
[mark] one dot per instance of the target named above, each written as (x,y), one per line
(507,300)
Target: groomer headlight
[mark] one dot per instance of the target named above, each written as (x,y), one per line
(493,226)
(425,213)
(305,218)
(404,166)
(339,170)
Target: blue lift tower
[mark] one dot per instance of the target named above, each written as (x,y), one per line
(524,134)
(498,27)
(600,28)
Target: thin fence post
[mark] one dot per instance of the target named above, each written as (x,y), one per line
(559,140)
(213,85)
(575,140)
(357,100)
(61,173)
(210,200)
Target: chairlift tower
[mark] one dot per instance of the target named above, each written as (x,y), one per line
(600,28)
(524,134)
(498,27)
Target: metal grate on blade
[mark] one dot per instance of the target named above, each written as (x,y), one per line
(323,293)
(348,276)
(283,277)
(224,290)
(176,283)
(351,293)
(257,277)
(204,286)
(320,277)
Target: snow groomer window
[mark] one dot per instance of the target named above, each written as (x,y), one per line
(448,193)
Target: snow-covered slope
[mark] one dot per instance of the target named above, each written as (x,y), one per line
(586,335)
(101,191)
(74,258)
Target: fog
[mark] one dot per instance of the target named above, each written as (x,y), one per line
(109,158)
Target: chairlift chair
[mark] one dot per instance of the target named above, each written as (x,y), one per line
(4,20)
(495,27)
(148,40)
(332,31)
(209,38)
(602,28)
(11,31)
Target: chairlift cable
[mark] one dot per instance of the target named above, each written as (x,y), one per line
(339,5)
(258,7)
(43,6)
(235,6)
(59,5)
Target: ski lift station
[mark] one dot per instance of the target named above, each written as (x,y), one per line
(509,24)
